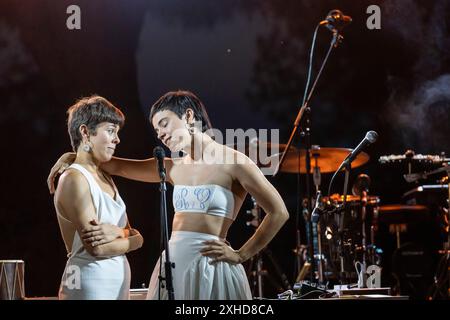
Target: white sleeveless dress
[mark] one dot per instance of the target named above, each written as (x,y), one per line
(96,278)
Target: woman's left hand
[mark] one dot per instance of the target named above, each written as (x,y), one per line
(220,251)
(60,166)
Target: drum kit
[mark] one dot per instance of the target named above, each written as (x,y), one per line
(349,235)
(339,237)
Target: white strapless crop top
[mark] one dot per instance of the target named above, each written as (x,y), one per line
(206,198)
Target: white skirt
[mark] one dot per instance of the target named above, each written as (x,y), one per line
(194,278)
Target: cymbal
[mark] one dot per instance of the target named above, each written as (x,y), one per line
(327,159)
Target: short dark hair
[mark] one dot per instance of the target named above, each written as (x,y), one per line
(91,111)
(178,102)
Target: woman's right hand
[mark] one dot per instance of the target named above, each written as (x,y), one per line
(101,233)
(60,166)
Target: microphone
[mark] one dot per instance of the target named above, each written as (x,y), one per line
(370,138)
(159,154)
(336,20)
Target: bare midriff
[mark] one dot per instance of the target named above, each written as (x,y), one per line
(201,222)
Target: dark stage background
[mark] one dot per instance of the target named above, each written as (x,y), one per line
(247,61)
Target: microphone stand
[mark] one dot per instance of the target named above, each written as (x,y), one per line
(306,133)
(168,265)
(347,167)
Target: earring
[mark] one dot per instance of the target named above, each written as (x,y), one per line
(191,128)
(86,147)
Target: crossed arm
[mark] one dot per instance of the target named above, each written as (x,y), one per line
(73,197)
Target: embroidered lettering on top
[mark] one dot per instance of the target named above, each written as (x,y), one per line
(203,195)
(197,200)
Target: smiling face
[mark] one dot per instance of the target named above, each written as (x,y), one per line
(105,140)
(171,130)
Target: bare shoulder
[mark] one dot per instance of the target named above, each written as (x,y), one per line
(71,182)
(72,176)
(233,156)
(238,162)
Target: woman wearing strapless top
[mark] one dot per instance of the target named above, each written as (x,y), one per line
(91,214)
(210,184)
